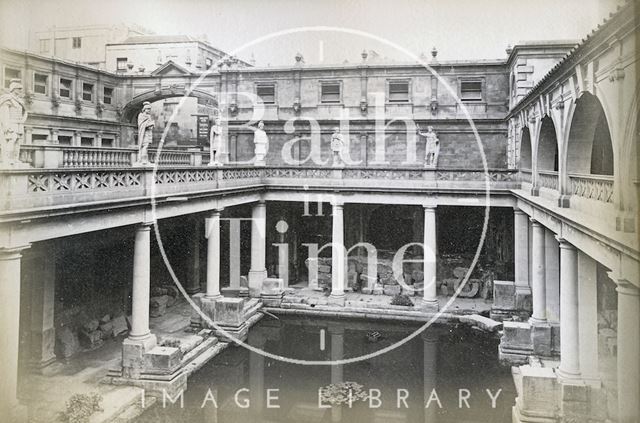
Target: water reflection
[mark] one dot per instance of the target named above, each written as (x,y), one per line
(438,368)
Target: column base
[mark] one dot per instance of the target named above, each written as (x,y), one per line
(428,305)
(568,378)
(208,307)
(337,299)
(256,278)
(133,352)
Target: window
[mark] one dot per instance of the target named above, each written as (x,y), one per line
(121,63)
(330,92)
(66,87)
(108,95)
(64,139)
(77,42)
(107,142)
(38,138)
(87,91)
(44,45)
(9,74)
(471,91)
(86,141)
(267,93)
(40,83)
(398,91)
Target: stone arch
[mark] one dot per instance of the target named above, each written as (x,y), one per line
(525,149)
(132,108)
(547,148)
(589,146)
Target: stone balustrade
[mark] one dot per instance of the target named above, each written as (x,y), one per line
(593,187)
(23,189)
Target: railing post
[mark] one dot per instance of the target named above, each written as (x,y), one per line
(48,157)
(195,157)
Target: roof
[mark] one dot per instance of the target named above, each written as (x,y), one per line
(158,39)
(576,52)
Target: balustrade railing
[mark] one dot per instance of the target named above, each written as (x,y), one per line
(594,187)
(95,157)
(548,179)
(525,176)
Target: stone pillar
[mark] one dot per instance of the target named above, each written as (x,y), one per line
(234,255)
(258,271)
(429,299)
(521,258)
(141,284)
(213,256)
(193,283)
(538,288)
(40,271)
(9,328)
(569,325)
(552,277)
(628,352)
(338,274)
(588,316)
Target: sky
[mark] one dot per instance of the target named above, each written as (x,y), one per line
(459,29)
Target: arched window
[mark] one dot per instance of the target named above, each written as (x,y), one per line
(525,149)
(547,154)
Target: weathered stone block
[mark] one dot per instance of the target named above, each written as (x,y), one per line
(119,325)
(90,325)
(158,306)
(541,339)
(91,339)
(504,295)
(229,311)
(162,359)
(272,286)
(539,391)
(392,289)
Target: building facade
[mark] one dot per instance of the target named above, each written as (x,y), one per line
(540,148)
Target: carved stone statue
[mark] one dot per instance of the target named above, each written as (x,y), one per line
(432,147)
(13,114)
(215,142)
(145,133)
(261,142)
(337,146)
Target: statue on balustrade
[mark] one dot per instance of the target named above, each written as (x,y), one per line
(13,114)
(432,147)
(145,133)
(215,142)
(337,147)
(261,142)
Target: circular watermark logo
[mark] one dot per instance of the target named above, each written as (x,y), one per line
(282,226)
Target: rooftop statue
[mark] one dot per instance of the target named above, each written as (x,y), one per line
(261,142)
(337,146)
(215,142)
(145,133)
(432,147)
(13,114)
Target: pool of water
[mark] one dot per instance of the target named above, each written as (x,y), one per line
(453,370)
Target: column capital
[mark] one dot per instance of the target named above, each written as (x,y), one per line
(216,212)
(625,287)
(564,243)
(339,203)
(430,207)
(13,253)
(261,202)
(534,221)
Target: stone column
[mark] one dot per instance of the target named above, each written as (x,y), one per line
(258,271)
(40,271)
(9,328)
(552,277)
(538,288)
(338,274)
(588,316)
(628,351)
(213,256)
(141,284)
(234,255)
(521,257)
(569,324)
(429,299)
(193,284)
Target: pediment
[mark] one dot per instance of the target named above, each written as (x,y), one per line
(171,69)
